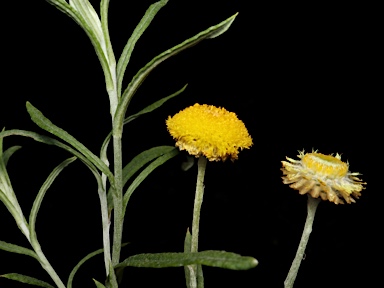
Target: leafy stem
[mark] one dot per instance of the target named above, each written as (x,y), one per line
(117,200)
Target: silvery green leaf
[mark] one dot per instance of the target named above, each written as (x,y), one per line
(27,280)
(222,259)
(143,72)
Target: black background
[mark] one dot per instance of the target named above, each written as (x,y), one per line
(299,76)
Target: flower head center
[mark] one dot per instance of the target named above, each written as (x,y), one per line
(210,131)
(325,165)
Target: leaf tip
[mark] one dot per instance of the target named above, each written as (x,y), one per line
(254,262)
(29,106)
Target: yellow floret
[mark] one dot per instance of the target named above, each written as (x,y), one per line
(210,131)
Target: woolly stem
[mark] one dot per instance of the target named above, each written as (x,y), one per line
(311,210)
(201,165)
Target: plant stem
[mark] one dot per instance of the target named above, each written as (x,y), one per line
(105,226)
(198,201)
(45,263)
(201,164)
(117,200)
(311,210)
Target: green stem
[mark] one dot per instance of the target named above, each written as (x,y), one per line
(201,165)
(117,200)
(105,226)
(45,263)
(311,210)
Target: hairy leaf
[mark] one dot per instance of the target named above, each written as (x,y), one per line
(212,258)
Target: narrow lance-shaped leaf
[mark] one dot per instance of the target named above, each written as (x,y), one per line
(82,261)
(47,125)
(40,196)
(7,196)
(148,109)
(153,106)
(142,159)
(98,284)
(139,30)
(50,141)
(64,7)
(104,6)
(211,32)
(5,182)
(140,178)
(137,163)
(89,16)
(9,152)
(27,280)
(17,249)
(188,270)
(212,258)
(110,56)
(16,213)
(78,265)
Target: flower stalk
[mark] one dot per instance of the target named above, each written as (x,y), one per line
(311,211)
(194,270)
(201,165)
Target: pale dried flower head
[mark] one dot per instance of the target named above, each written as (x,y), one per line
(322,175)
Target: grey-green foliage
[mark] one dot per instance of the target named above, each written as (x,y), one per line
(222,259)
(96,28)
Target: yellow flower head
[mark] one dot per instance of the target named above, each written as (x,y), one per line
(210,131)
(322,175)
